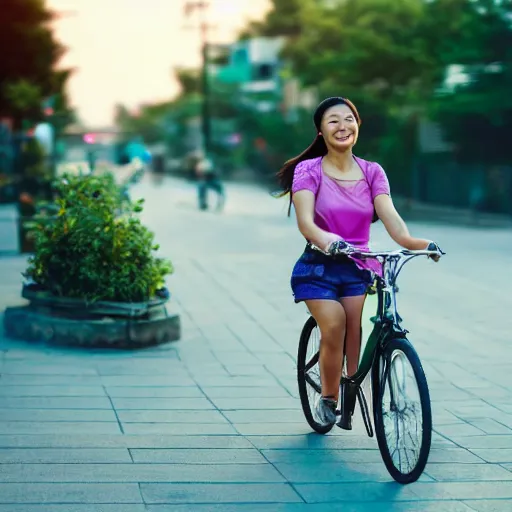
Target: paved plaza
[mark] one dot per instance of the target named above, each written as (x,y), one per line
(213,422)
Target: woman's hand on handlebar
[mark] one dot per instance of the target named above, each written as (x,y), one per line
(340,247)
(329,240)
(421,244)
(433,246)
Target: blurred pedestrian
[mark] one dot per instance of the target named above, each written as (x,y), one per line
(208,178)
(91,159)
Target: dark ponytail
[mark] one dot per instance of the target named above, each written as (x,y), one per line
(285,174)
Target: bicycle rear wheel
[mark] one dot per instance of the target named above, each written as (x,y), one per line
(308,374)
(402,411)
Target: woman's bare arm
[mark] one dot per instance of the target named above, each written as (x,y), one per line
(304,202)
(395,225)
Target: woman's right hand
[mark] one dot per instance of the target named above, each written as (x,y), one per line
(329,239)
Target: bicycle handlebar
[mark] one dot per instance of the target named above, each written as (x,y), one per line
(349,250)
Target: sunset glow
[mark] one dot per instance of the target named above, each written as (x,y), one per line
(124,50)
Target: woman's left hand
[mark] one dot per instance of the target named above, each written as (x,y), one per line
(421,244)
(433,246)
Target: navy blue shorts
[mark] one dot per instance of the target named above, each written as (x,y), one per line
(318,276)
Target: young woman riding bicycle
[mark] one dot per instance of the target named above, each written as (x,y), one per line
(336,196)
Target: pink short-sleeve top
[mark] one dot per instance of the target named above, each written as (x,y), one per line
(344,209)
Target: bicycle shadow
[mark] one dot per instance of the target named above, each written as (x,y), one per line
(314,459)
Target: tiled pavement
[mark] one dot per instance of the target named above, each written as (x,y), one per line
(213,423)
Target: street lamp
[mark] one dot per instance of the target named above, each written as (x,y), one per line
(201,6)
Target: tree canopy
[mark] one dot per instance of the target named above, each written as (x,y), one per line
(392,58)
(30,54)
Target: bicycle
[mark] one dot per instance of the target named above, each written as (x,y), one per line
(386,355)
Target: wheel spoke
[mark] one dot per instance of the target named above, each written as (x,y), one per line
(313,361)
(315,385)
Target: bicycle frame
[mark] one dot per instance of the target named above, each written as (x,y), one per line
(387,321)
(387,325)
(385,342)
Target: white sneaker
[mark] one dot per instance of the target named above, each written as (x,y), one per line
(325,410)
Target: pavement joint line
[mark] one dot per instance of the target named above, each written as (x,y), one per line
(207,299)
(114,409)
(485,401)
(465,421)
(237,303)
(472,391)
(274,466)
(275,377)
(141,495)
(213,404)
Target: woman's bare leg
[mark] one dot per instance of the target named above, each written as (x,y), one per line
(331,319)
(353,307)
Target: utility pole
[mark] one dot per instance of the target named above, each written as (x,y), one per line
(202,6)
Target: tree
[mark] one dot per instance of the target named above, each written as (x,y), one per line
(166,121)
(27,70)
(369,51)
(282,20)
(189,80)
(391,59)
(477,115)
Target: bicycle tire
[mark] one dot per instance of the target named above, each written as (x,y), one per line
(404,346)
(304,341)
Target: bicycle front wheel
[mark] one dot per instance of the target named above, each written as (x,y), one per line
(308,374)
(402,411)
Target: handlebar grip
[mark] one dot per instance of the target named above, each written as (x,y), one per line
(432,246)
(337,247)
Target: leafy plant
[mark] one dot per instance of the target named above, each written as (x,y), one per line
(34,160)
(96,247)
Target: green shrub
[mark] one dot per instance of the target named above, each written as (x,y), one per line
(96,248)
(34,160)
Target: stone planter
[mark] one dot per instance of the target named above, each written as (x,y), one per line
(73,322)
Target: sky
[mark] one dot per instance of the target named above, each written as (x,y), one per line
(124,51)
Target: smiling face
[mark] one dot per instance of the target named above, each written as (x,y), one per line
(339,128)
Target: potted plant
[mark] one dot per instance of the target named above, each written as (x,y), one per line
(95,249)
(94,279)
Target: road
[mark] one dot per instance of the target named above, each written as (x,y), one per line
(213,422)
